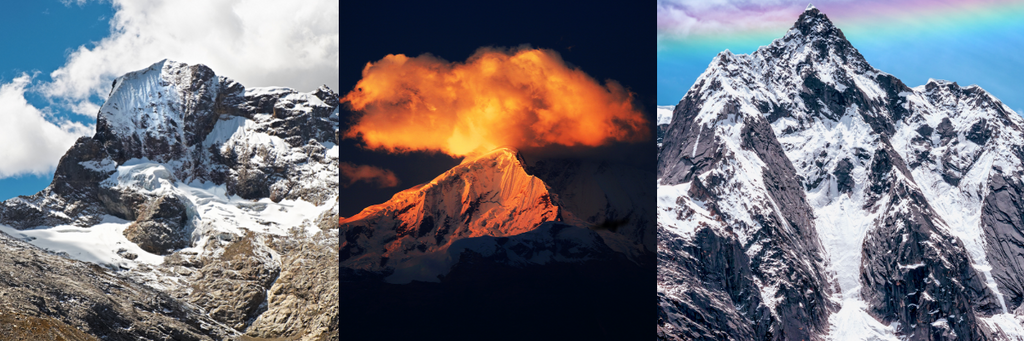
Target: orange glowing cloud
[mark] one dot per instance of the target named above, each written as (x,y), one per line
(520,98)
(382,177)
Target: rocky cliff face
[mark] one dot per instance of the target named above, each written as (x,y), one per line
(205,192)
(864,170)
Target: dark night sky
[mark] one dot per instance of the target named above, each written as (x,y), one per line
(604,39)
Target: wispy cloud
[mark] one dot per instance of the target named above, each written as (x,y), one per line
(369,174)
(680,19)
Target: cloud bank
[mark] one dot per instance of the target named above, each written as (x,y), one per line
(520,97)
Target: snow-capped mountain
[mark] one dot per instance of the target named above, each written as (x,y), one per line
(419,233)
(207,192)
(495,242)
(490,195)
(849,205)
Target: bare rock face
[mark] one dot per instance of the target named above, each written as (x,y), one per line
(707,291)
(304,298)
(328,220)
(72,192)
(1003,219)
(122,203)
(914,269)
(50,295)
(233,286)
(160,227)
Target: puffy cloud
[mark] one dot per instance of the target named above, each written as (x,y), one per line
(33,142)
(370,174)
(521,98)
(256,42)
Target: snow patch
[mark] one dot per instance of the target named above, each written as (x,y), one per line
(665,114)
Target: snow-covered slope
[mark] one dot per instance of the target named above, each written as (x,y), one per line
(901,268)
(965,149)
(421,232)
(490,195)
(548,247)
(720,155)
(199,188)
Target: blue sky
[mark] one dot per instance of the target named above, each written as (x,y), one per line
(61,57)
(970,43)
(40,35)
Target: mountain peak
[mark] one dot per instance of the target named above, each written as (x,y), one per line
(146,114)
(810,6)
(489,195)
(497,153)
(814,35)
(812,22)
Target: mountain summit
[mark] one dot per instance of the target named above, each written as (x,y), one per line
(804,194)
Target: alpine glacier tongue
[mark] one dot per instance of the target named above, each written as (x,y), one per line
(807,117)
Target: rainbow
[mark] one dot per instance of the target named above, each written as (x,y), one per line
(750,24)
(914,39)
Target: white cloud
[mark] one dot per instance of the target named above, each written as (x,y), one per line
(255,42)
(32,144)
(680,19)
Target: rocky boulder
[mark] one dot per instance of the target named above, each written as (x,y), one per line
(161,227)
